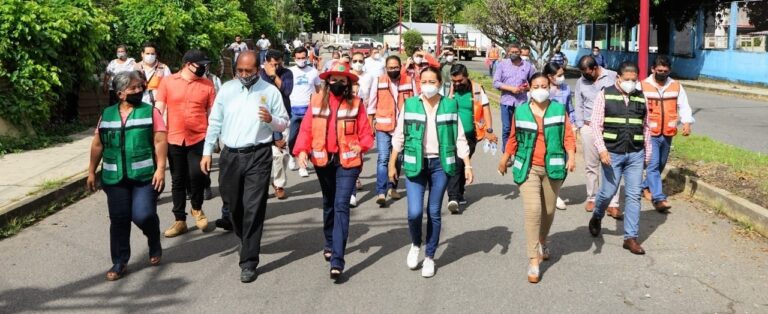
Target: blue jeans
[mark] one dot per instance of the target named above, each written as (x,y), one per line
(433,175)
(630,166)
(507,112)
(336,184)
(384,148)
(492,67)
(294,126)
(132,202)
(661,145)
(262,56)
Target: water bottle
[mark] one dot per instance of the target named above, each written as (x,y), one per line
(486,147)
(493,149)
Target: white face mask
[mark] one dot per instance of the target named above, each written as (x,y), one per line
(429,90)
(560,80)
(628,86)
(357,67)
(449,58)
(376,56)
(301,63)
(149,59)
(417,60)
(540,95)
(122,55)
(525,57)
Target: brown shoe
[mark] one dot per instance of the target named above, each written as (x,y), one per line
(280,193)
(200,220)
(590,206)
(647,194)
(116,272)
(634,247)
(615,212)
(662,206)
(178,228)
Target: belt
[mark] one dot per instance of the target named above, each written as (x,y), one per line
(248,149)
(586,123)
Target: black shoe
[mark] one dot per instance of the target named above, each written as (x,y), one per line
(462,201)
(594,227)
(248,275)
(207,193)
(335,274)
(224,224)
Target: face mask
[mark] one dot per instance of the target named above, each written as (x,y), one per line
(301,63)
(149,59)
(376,56)
(540,95)
(514,57)
(338,89)
(122,55)
(595,53)
(417,60)
(357,67)
(393,75)
(525,58)
(248,81)
(560,80)
(628,86)
(237,41)
(134,99)
(461,87)
(199,72)
(661,77)
(449,58)
(429,90)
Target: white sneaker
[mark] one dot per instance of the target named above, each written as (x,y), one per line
(453,207)
(303,172)
(353,201)
(413,257)
(292,164)
(560,204)
(428,268)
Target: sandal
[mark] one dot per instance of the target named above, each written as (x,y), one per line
(154,260)
(116,272)
(327,255)
(335,273)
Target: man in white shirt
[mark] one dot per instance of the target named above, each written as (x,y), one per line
(237,47)
(154,71)
(374,65)
(264,45)
(297,43)
(306,81)
(362,89)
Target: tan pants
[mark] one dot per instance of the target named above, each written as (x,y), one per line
(279,165)
(539,195)
(592,166)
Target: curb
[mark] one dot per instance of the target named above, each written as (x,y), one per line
(733,206)
(35,203)
(726,92)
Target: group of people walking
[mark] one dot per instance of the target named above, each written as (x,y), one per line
(424,118)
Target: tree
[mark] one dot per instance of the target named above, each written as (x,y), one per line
(48,48)
(543,25)
(412,39)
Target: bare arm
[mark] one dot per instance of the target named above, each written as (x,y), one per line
(96,150)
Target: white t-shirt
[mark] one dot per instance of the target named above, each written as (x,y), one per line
(304,82)
(297,43)
(238,48)
(114,68)
(263,44)
(364,81)
(374,67)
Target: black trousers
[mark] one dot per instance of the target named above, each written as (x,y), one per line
(185,171)
(457,182)
(244,183)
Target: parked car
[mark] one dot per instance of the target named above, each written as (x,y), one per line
(370,41)
(364,48)
(340,44)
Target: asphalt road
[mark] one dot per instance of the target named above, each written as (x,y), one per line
(741,122)
(696,262)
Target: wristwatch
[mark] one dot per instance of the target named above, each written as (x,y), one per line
(272,77)
(489,130)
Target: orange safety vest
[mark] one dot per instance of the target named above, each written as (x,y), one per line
(493,54)
(346,132)
(662,108)
(477,110)
(386,112)
(153,82)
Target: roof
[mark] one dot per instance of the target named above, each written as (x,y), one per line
(428,28)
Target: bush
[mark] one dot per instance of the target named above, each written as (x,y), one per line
(412,39)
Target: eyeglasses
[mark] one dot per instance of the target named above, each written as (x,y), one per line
(358,61)
(393,69)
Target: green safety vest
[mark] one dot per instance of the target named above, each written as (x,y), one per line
(467,101)
(623,125)
(447,119)
(526,131)
(128,148)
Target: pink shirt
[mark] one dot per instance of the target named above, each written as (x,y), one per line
(157,121)
(431,146)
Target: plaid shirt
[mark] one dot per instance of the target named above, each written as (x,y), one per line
(598,119)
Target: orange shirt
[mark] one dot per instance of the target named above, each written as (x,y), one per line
(187,104)
(540,148)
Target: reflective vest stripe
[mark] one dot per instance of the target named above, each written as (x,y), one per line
(383,120)
(447,117)
(318,154)
(637,99)
(527,125)
(554,120)
(110,125)
(610,136)
(635,121)
(450,160)
(110,167)
(348,155)
(142,164)
(613,97)
(615,120)
(409,159)
(557,161)
(412,116)
(345,113)
(518,164)
(383,85)
(138,122)
(639,138)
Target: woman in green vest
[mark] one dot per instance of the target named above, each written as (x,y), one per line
(543,147)
(430,136)
(131,140)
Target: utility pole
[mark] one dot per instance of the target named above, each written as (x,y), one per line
(400,32)
(338,20)
(410,13)
(642,51)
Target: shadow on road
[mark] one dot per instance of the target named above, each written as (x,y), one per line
(477,192)
(476,241)
(387,243)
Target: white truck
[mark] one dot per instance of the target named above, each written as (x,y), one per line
(374,43)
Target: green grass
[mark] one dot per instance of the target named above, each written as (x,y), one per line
(47,136)
(48,185)
(487,83)
(17,224)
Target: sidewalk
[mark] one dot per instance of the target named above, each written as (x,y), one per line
(29,175)
(728,88)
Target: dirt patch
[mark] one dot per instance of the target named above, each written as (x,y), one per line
(742,184)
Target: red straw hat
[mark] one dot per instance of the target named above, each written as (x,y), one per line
(339,68)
